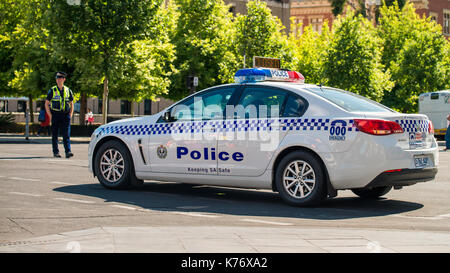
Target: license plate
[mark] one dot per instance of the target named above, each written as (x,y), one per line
(422,161)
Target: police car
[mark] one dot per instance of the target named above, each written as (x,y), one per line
(270,130)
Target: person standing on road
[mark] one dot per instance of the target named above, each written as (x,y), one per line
(59,106)
(447,134)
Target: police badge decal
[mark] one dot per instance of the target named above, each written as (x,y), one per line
(161,152)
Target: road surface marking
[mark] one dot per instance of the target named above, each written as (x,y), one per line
(60,183)
(124,207)
(439,217)
(266,222)
(195,214)
(75,200)
(15,178)
(26,194)
(30,179)
(23,179)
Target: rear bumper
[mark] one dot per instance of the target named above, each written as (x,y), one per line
(404,177)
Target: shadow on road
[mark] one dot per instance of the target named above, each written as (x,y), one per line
(208,199)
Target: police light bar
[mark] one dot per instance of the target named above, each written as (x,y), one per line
(265,74)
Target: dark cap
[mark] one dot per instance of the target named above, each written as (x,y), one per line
(61,74)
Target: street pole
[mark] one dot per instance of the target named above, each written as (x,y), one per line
(27,129)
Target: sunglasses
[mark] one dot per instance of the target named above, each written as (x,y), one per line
(59,77)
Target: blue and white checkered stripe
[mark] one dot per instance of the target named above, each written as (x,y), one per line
(413,125)
(288,124)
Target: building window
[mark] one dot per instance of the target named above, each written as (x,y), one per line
(99,105)
(21,106)
(316,24)
(446,26)
(3,106)
(125,107)
(434,16)
(147,107)
(298,26)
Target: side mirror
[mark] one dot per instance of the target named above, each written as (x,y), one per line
(167,116)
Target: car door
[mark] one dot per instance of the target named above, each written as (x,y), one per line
(261,115)
(188,143)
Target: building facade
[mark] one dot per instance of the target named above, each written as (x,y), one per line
(315,12)
(279,8)
(438,10)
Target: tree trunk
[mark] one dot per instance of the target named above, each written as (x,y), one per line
(83,108)
(105,100)
(132,109)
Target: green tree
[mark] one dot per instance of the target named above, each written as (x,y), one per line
(146,65)
(310,53)
(97,31)
(259,33)
(415,53)
(204,40)
(9,18)
(352,59)
(33,63)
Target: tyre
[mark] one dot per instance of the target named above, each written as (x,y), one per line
(372,193)
(114,166)
(300,179)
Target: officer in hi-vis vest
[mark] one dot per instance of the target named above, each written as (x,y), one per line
(59,106)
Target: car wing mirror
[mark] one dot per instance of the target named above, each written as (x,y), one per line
(167,116)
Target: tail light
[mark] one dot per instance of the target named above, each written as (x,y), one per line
(378,127)
(430,127)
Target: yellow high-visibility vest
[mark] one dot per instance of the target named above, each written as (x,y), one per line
(58,102)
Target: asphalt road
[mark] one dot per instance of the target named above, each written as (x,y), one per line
(47,204)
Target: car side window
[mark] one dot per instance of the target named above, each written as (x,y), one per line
(206,105)
(257,102)
(294,107)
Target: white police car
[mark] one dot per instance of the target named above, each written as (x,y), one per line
(270,131)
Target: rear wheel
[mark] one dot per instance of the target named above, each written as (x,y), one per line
(114,166)
(372,193)
(300,179)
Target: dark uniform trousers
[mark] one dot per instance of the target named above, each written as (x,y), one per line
(61,123)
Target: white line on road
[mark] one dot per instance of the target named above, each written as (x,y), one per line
(26,194)
(60,183)
(15,178)
(195,214)
(438,217)
(266,222)
(75,200)
(23,179)
(124,207)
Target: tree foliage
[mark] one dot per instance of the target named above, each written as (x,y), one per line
(204,39)
(415,53)
(310,49)
(352,59)
(97,31)
(141,49)
(259,33)
(147,64)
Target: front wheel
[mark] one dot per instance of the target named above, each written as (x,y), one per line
(114,166)
(300,179)
(372,193)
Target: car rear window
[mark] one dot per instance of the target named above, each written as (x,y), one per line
(351,102)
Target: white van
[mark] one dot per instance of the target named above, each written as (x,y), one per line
(436,105)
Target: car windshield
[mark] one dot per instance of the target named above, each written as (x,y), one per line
(349,101)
